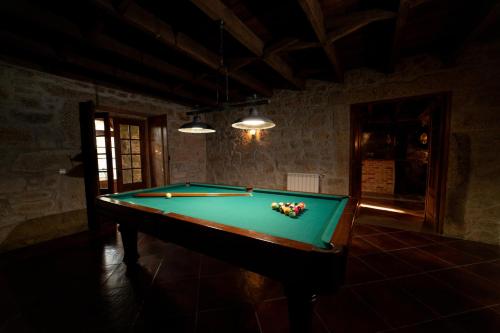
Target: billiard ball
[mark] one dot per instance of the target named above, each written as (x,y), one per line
(168,195)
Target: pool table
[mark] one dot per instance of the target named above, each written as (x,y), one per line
(307,253)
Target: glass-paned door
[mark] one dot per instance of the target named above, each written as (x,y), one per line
(129,136)
(106,160)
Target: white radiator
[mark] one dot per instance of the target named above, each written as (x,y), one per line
(303,182)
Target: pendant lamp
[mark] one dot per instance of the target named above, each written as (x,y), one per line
(253,121)
(196,127)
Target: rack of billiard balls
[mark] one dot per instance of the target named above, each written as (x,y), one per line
(289,209)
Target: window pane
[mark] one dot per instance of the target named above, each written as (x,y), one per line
(136,147)
(115,174)
(124,133)
(136,161)
(99,124)
(101,164)
(126,163)
(125,144)
(112,142)
(101,150)
(114,163)
(103,176)
(100,142)
(127,176)
(134,132)
(137,176)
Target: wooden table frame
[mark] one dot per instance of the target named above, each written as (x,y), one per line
(303,269)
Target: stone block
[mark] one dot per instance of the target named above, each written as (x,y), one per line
(41,229)
(31,117)
(48,160)
(9,184)
(32,209)
(12,136)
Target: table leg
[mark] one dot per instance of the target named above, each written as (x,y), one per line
(129,240)
(300,309)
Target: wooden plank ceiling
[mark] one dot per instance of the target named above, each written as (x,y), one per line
(171,49)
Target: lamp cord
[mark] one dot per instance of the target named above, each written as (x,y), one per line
(223,67)
(221,45)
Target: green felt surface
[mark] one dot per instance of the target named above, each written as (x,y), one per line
(314,226)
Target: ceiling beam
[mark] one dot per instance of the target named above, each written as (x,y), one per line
(120,74)
(314,13)
(216,10)
(416,3)
(281,46)
(356,21)
(122,5)
(91,36)
(63,57)
(402,18)
(147,22)
(490,15)
(112,45)
(302,46)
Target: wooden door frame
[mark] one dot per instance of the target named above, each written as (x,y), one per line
(355,150)
(109,156)
(155,123)
(89,157)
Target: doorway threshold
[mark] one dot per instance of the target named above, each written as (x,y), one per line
(390,216)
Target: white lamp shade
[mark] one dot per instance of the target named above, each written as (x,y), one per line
(196,127)
(253,121)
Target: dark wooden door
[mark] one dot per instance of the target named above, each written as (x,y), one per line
(89,157)
(355,153)
(130,153)
(159,157)
(438,163)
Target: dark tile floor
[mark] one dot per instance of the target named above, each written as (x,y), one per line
(397,281)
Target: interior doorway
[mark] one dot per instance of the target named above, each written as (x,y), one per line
(399,152)
(122,150)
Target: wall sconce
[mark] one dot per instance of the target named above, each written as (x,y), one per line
(252,135)
(424,138)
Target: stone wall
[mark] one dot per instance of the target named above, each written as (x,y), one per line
(312,134)
(39,132)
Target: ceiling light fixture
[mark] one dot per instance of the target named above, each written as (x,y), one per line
(253,121)
(196,127)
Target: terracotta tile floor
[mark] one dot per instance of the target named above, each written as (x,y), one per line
(397,281)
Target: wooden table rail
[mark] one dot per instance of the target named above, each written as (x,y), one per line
(173,194)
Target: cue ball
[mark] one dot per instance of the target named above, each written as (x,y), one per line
(168,195)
